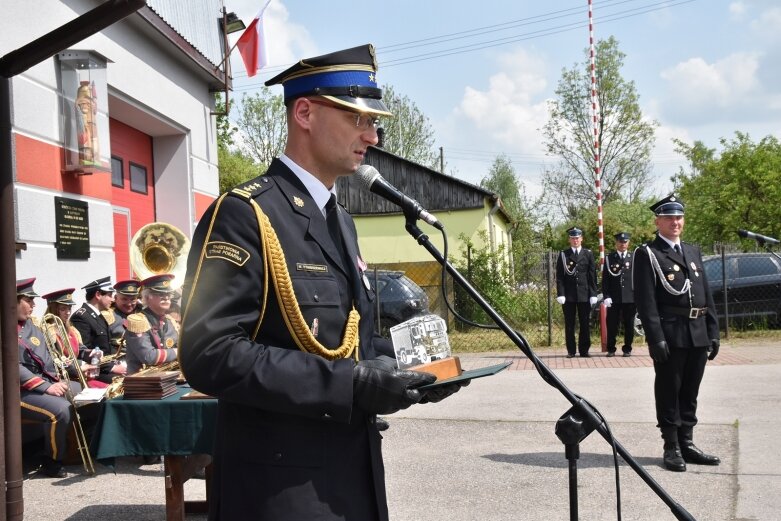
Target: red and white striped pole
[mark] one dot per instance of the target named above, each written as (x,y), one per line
(595,118)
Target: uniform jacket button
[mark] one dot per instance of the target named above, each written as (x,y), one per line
(316,297)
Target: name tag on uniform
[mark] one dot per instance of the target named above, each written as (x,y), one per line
(227,251)
(317,268)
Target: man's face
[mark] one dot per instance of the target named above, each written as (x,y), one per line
(670,226)
(104,299)
(125,303)
(24,308)
(338,144)
(574,242)
(159,303)
(621,246)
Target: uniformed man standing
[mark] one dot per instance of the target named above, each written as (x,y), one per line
(42,392)
(152,336)
(618,295)
(677,311)
(278,317)
(576,290)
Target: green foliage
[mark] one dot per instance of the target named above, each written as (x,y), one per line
(234,168)
(408,133)
(262,122)
(740,188)
(625,139)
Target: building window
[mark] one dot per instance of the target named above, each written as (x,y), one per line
(117,176)
(138,178)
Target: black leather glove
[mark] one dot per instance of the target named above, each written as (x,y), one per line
(659,352)
(437,394)
(380,388)
(713,350)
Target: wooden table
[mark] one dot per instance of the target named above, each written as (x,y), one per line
(182,431)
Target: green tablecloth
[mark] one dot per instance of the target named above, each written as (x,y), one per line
(154,427)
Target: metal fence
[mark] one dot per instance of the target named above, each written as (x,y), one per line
(746,288)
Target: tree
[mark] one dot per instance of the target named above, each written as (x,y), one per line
(625,140)
(263,126)
(408,133)
(738,189)
(233,166)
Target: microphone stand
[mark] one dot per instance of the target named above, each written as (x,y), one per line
(578,422)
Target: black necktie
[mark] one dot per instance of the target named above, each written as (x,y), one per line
(332,221)
(677,249)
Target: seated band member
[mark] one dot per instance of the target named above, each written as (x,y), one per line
(59,304)
(93,327)
(152,336)
(125,303)
(42,392)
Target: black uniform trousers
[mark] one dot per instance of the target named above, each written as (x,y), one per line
(55,412)
(621,313)
(676,388)
(583,310)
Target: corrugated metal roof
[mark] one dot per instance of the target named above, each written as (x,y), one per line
(197,21)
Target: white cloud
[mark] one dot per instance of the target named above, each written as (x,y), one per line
(767,24)
(737,10)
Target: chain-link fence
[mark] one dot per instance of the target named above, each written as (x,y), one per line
(746,288)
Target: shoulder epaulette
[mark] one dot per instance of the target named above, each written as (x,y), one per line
(252,188)
(138,323)
(173,322)
(108,314)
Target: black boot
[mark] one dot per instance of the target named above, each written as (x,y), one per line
(673,460)
(53,468)
(690,452)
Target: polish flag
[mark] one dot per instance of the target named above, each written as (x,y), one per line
(252,46)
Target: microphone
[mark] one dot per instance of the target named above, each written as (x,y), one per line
(761,239)
(371,179)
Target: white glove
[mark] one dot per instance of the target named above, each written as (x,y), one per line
(608,302)
(561,300)
(592,300)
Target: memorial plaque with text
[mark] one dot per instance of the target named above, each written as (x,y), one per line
(72,220)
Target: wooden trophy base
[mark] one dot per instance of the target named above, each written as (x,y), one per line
(443,369)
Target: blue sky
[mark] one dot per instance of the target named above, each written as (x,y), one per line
(703,68)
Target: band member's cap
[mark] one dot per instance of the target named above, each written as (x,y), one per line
(128,287)
(575,232)
(623,236)
(24,288)
(103,284)
(159,283)
(348,78)
(670,205)
(61,296)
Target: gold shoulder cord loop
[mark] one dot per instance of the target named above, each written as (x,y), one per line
(274,260)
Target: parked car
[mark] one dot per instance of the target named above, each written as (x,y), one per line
(400,298)
(753,285)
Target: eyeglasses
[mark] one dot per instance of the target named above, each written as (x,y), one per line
(362,121)
(161,296)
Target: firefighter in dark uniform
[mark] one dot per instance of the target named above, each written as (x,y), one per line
(618,295)
(152,336)
(679,318)
(42,392)
(94,329)
(278,317)
(125,303)
(576,291)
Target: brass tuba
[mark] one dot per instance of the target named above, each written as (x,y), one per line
(159,248)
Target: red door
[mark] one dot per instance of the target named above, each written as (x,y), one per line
(132,189)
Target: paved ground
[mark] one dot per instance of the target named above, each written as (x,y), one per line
(490,452)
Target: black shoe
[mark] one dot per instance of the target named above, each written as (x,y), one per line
(627,354)
(381,424)
(585,355)
(611,354)
(151,460)
(691,454)
(570,355)
(53,468)
(673,460)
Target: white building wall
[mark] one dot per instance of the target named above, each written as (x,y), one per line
(160,95)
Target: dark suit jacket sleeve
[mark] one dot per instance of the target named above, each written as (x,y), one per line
(645,297)
(222,303)
(592,275)
(560,292)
